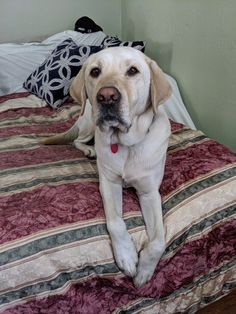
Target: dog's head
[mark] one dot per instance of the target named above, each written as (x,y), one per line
(120,83)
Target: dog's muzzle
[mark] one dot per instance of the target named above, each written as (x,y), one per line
(108,100)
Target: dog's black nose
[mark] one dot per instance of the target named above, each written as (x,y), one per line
(108,95)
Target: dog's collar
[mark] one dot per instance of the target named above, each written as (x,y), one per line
(114,148)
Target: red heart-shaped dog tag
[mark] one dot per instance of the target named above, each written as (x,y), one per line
(114,148)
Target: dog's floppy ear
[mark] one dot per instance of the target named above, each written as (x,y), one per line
(160,89)
(78,90)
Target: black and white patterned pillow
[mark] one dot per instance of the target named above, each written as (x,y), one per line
(52,79)
(111,41)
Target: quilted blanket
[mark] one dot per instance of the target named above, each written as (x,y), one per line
(55,252)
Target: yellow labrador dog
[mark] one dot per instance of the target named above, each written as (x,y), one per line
(120,90)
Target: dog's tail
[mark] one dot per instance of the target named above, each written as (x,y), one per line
(62,138)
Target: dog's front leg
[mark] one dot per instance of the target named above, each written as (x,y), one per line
(150,255)
(123,247)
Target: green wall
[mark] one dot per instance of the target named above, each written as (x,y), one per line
(195,41)
(26,20)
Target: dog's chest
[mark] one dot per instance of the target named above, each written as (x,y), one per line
(124,162)
(112,158)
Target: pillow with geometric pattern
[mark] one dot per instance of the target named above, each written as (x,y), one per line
(52,79)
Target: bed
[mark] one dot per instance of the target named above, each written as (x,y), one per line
(55,252)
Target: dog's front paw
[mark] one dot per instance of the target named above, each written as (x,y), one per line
(144,274)
(148,261)
(126,256)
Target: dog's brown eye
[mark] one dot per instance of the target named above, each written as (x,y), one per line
(132,71)
(95,72)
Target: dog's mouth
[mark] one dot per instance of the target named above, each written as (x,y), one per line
(111,121)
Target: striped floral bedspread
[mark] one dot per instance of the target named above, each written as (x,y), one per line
(55,252)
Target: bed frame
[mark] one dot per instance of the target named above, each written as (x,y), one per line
(225,305)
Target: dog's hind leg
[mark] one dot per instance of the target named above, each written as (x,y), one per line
(62,138)
(79,134)
(88,150)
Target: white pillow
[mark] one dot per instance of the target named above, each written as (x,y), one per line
(18,61)
(93,39)
(174,106)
